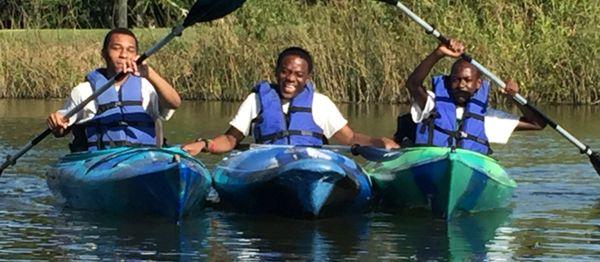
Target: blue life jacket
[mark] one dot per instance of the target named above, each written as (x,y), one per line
(440,129)
(298,127)
(120,119)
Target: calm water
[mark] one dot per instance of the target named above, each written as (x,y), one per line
(554,214)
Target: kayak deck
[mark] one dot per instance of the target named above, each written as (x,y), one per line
(297,182)
(131,181)
(442,180)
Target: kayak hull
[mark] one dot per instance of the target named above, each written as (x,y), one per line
(442,180)
(296,182)
(131,181)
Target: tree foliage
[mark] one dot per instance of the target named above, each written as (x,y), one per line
(37,14)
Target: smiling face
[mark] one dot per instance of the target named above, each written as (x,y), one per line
(464,82)
(120,49)
(292,74)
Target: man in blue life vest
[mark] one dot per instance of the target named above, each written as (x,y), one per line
(287,112)
(125,114)
(456,113)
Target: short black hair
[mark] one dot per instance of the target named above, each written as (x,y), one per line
(297,51)
(118,30)
(461,61)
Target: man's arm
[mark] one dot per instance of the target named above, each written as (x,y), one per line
(167,95)
(530,119)
(57,123)
(348,137)
(219,144)
(414,83)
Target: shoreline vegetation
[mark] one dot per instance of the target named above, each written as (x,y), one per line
(363,50)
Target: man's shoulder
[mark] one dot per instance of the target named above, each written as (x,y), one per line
(499,114)
(83,88)
(321,99)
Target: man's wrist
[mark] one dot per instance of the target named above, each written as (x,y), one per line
(207,143)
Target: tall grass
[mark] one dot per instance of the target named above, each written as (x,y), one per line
(363,50)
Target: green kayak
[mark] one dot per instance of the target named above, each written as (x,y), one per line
(442,180)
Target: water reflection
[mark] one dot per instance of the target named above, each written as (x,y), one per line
(265,237)
(88,235)
(419,236)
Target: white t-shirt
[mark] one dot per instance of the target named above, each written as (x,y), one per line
(150,103)
(498,125)
(325,114)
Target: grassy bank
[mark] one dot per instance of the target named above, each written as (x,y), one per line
(363,49)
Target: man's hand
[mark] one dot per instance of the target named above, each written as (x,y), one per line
(454,49)
(135,69)
(389,143)
(511,89)
(58,124)
(194,148)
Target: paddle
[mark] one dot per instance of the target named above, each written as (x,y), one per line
(367,152)
(584,149)
(201,11)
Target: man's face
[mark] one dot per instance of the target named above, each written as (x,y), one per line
(121,48)
(464,82)
(292,74)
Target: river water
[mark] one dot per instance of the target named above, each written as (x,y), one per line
(554,213)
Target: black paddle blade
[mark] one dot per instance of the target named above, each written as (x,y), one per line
(595,159)
(208,10)
(391,2)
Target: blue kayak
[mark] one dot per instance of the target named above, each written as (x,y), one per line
(131,181)
(299,182)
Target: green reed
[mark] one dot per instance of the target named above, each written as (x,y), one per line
(363,50)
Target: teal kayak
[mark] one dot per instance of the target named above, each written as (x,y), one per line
(301,182)
(442,180)
(131,181)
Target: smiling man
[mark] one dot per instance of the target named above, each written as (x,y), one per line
(124,115)
(455,113)
(289,112)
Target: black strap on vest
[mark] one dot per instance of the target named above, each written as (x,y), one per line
(80,141)
(473,115)
(293,109)
(456,135)
(430,125)
(102,108)
(117,123)
(459,135)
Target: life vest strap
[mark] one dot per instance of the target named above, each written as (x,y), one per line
(118,123)
(473,115)
(300,109)
(459,135)
(102,108)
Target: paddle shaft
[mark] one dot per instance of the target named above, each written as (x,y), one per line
(517,98)
(11,160)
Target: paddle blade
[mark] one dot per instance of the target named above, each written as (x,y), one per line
(391,2)
(208,10)
(595,159)
(374,154)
